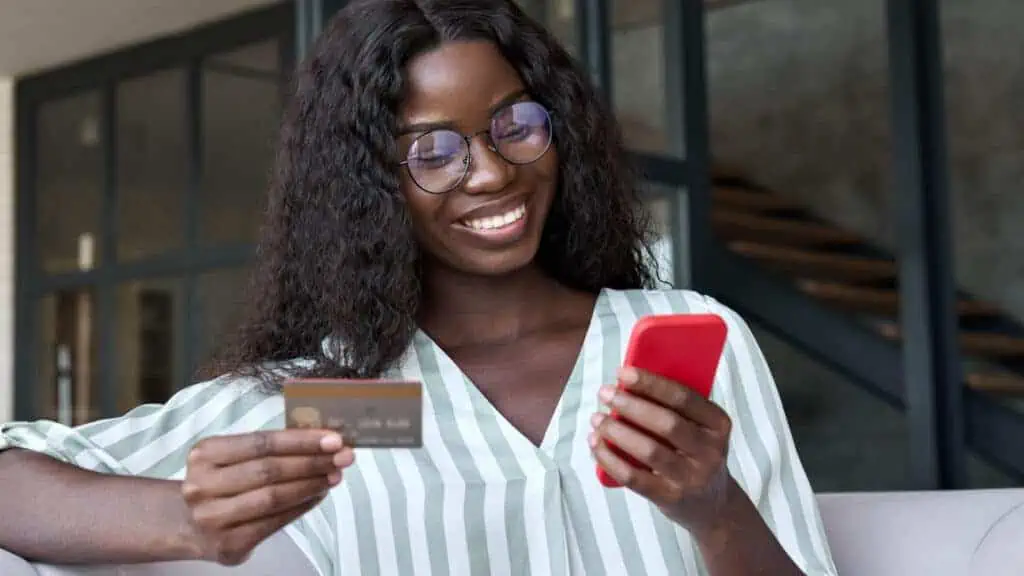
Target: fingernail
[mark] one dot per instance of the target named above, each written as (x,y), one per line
(331,442)
(629,375)
(596,419)
(344,458)
(334,478)
(606,393)
(592,440)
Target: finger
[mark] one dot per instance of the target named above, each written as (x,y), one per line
(227,450)
(238,544)
(250,475)
(260,503)
(675,396)
(682,434)
(643,448)
(655,488)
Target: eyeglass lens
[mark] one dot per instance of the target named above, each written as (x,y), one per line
(519,133)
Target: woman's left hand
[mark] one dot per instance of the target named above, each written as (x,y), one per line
(687,477)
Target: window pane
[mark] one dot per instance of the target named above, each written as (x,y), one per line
(152,164)
(660,205)
(846,438)
(558,16)
(264,58)
(638,76)
(983,90)
(241,110)
(981,475)
(69,182)
(149,358)
(67,383)
(219,308)
(800,127)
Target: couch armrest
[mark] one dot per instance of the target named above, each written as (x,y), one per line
(277,555)
(11,565)
(947,533)
(1001,552)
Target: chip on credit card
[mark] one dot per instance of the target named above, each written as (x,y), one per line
(367,413)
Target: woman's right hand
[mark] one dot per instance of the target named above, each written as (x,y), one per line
(241,489)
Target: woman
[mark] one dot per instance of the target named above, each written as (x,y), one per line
(451,205)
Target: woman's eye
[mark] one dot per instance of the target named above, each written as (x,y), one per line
(513,132)
(433,160)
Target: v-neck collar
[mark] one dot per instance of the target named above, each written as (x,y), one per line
(468,397)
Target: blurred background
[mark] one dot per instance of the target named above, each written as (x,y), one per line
(842,172)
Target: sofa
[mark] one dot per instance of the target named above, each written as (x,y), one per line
(955,533)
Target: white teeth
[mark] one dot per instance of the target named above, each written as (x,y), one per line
(492,222)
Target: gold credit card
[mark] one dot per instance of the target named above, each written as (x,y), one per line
(367,413)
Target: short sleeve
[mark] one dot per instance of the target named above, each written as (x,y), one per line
(763,457)
(152,440)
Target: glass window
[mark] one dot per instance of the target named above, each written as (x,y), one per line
(241,111)
(800,136)
(115,164)
(67,389)
(558,16)
(846,438)
(221,295)
(148,335)
(638,76)
(981,475)
(983,90)
(69,182)
(152,164)
(660,205)
(258,58)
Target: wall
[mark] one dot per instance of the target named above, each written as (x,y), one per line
(6,249)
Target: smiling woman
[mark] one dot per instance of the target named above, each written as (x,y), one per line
(451,205)
(507,171)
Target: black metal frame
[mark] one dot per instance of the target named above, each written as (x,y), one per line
(932,369)
(187,50)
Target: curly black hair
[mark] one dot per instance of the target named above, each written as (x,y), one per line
(337,256)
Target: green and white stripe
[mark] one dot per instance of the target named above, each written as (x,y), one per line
(479,498)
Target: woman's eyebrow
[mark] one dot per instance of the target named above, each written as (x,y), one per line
(424,127)
(510,98)
(420,127)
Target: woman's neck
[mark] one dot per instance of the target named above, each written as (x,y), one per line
(461,308)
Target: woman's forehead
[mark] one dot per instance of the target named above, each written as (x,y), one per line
(458,82)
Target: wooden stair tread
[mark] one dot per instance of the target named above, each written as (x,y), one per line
(739,198)
(878,300)
(999,383)
(972,342)
(812,263)
(745,226)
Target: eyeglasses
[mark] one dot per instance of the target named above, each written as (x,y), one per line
(439,160)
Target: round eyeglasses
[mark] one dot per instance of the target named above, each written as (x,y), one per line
(439,160)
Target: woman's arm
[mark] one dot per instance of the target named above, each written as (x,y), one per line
(208,475)
(764,462)
(58,513)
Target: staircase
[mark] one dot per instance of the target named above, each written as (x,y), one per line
(842,271)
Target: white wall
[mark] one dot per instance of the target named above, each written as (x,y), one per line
(6,249)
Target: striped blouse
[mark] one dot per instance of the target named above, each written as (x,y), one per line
(478,497)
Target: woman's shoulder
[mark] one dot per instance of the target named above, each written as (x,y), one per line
(669,301)
(231,394)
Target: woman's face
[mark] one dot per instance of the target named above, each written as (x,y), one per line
(486,219)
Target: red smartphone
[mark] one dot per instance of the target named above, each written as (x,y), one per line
(685,348)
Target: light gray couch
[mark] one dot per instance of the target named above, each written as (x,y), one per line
(964,533)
